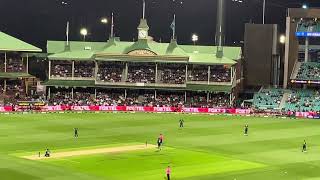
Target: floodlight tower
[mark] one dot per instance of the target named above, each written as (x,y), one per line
(220,38)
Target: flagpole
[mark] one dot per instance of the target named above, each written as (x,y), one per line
(144,9)
(264,12)
(67,33)
(174,29)
(112,26)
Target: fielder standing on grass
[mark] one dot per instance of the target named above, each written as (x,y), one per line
(246,129)
(168,172)
(181,121)
(304,146)
(76,132)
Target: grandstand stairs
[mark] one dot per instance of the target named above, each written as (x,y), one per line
(295,71)
(284,100)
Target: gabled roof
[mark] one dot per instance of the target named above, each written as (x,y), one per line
(10,43)
(197,58)
(115,49)
(13,75)
(115,46)
(72,55)
(59,46)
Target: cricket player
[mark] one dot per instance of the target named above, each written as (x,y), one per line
(161,138)
(168,172)
(47,153)
(181,122)
(159,143)
(246,129)
(304,146)
(76,132)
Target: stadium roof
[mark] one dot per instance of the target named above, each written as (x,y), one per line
(70,83)
(10,43)
(72,55)
(143,50)
(12,75)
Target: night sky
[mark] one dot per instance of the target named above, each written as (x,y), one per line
(36,21)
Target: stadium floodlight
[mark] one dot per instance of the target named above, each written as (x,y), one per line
(194,38)
(84,33)
(104,20)
(305,6)
(282,39)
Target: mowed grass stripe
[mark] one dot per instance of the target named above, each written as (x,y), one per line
(150,164)
(271,141)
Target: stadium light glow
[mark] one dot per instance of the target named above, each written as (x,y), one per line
(194,38)
(282,39)
(305,6)
(104,20)
(84,33)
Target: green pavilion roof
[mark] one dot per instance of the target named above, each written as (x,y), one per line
(70,83)
(10,43)
(114,50)
(72,55)
(12,75)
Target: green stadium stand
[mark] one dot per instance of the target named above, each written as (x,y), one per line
(309,71)
(268,99)
(303,100)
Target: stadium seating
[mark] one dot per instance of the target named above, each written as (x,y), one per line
(15,65)
(268,99)
(115,97)
(141,74)
(172,74)
(309,71)
(61,70)
(308,25)
(220,74)
(303,100)
(110,72)
(84,70)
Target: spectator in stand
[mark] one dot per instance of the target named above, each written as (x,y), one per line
(110,72)
(84,70)
(172,73)
(110,99)
(220,74)
(198,73)
(141,74)
(14,64)
(62,70)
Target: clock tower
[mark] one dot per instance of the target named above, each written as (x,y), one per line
(143,27)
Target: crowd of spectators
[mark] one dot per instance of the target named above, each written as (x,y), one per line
(198,73)
(201,100)
(303,100)
(167,74)
(141,74)
(110,72)
(1,62)
(84,70)
(140,98)
(15,65)
(268,98)
(110,99)
(172,74)
(309,71)
(308,25)
(220,74)
(62,70)
(65,98)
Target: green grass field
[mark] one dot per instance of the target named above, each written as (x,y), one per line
(209,147)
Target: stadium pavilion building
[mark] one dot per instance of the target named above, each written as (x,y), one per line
(15,80)
(142,67)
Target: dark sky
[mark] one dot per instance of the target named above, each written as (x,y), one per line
(36,21)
